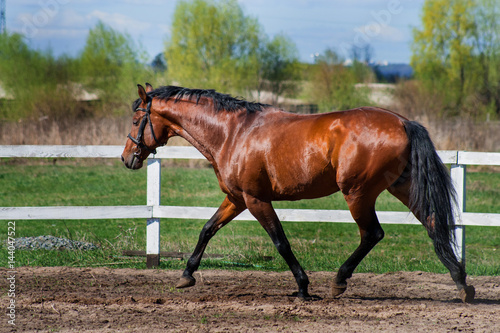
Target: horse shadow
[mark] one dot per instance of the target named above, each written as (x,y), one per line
(476,301)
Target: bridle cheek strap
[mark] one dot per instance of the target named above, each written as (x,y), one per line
(145,119)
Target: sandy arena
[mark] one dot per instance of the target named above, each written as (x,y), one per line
(62,299)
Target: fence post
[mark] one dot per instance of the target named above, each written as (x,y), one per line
(153,224)
(458,174)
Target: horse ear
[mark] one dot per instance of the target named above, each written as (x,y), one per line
(142,93)
(149,87)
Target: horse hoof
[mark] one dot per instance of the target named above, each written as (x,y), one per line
(303,298)
(467,294)
(338,289)
(185,282)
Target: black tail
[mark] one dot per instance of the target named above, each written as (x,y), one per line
(432,195)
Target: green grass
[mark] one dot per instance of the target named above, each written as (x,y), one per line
(318,246)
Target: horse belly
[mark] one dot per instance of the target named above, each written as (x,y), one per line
(297,184)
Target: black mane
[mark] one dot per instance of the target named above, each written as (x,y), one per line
(221,101)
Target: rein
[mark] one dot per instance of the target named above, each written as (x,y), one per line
(145,119)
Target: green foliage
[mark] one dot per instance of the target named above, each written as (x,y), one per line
(332,85)
(456,54)
(215,45)
(212,45)
(362,56)
(487,44)
(33,78)
(111,65)
(362,72)
(441,51)
(279,67)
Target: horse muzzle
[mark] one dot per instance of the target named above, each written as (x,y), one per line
(133,161)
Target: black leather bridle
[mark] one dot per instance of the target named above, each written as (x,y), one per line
(145,119)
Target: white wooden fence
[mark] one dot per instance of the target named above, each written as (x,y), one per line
(154,211)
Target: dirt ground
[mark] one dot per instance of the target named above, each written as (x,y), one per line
(62,299)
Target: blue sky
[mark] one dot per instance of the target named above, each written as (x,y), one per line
(315,25)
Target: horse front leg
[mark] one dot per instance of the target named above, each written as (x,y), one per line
(265,214)
(227,211)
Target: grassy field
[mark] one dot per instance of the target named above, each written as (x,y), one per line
(245,245)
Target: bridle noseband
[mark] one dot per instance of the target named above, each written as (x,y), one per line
(145,119)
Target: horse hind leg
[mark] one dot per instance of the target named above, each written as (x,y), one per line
(370,232)
(457,271)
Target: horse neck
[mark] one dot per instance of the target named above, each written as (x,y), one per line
(203,127)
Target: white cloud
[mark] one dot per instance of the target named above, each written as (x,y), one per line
(146,2)
(71,18)
(61,34)
(381,32)
(47,23)
(121,22)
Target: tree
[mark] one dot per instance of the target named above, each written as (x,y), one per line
(278,66)
(333,84)
(442,50)
(213,45)
(159,64)
(487,44)
(361,57)
(362,53)
(110,63)
(32,77)
(15,56)
(455,52)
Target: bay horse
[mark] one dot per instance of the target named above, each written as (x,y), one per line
(262,154)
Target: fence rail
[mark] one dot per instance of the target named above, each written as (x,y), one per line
(153,211)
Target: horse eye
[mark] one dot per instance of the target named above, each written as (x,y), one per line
(136,122)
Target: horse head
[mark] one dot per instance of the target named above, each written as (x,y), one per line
(148,130)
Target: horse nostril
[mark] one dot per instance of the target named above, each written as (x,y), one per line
(123,160)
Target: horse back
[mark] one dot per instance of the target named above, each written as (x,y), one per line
(291,157)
